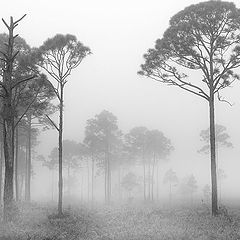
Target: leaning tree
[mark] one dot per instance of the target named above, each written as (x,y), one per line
(58,56)
(198,53)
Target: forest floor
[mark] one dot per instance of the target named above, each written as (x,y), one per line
(125,222)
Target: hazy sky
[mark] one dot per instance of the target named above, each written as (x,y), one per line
(119,33)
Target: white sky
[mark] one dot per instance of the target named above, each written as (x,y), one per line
(119,33)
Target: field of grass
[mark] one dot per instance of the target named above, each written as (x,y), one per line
(125,222)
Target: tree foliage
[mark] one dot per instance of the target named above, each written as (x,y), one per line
(203,37)
(221,137)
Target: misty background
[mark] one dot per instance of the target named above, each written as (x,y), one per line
(118,33)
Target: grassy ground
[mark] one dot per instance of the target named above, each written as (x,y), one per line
(127,222)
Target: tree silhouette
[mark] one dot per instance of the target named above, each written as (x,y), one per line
(170,178)
(129,182)
(136,146)
(199,53)
(11,78)
(106,136)
(189,186)
(58,56)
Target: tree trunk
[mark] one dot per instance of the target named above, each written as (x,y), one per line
(8,127)
(88,181)
(170,194)
(26,172)
(92,178)
(1,169)
(144,181)
(152,177)
(157,180)
(213,155)
(119,183)
(60,147)
(149,180)
(68,185)
(105,175)
(29,160)
(16,166)
(52,184)
(8,130)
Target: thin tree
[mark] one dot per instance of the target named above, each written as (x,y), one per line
(189,186)
(58,56)
(201,43)
(158,147)
(107,137)
(136,146)
(170,178)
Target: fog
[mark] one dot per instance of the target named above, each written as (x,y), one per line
(118,34)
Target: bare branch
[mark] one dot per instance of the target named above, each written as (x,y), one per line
(29,105)
(15,23)
(221,99)
(5,24)
(52,122)
(24,80)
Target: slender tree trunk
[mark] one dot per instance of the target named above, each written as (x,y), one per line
(1,169)
(92,178)
(60,147)
(157,180)
(52,184)
(29,164)
(152,177)
(68,185)
(16,165)
(105,175)
(110,182)
(149,181)
(26,172)
(170,194)
(119,183)
(213,155)
(144,181)
(88,181)
(82,190)
(21,186)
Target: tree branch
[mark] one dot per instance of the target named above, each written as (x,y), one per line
(29,105)
(23,80)
(52,122)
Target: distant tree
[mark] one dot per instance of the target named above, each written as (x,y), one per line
(93,151)
(72,153)
(107,137)
(207,193)
(129,183)
(51,163)
(202,42)
(136,146)
(189,186)
(158,147)
(221,138)
(170,178)
(221,176)
(58,56)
